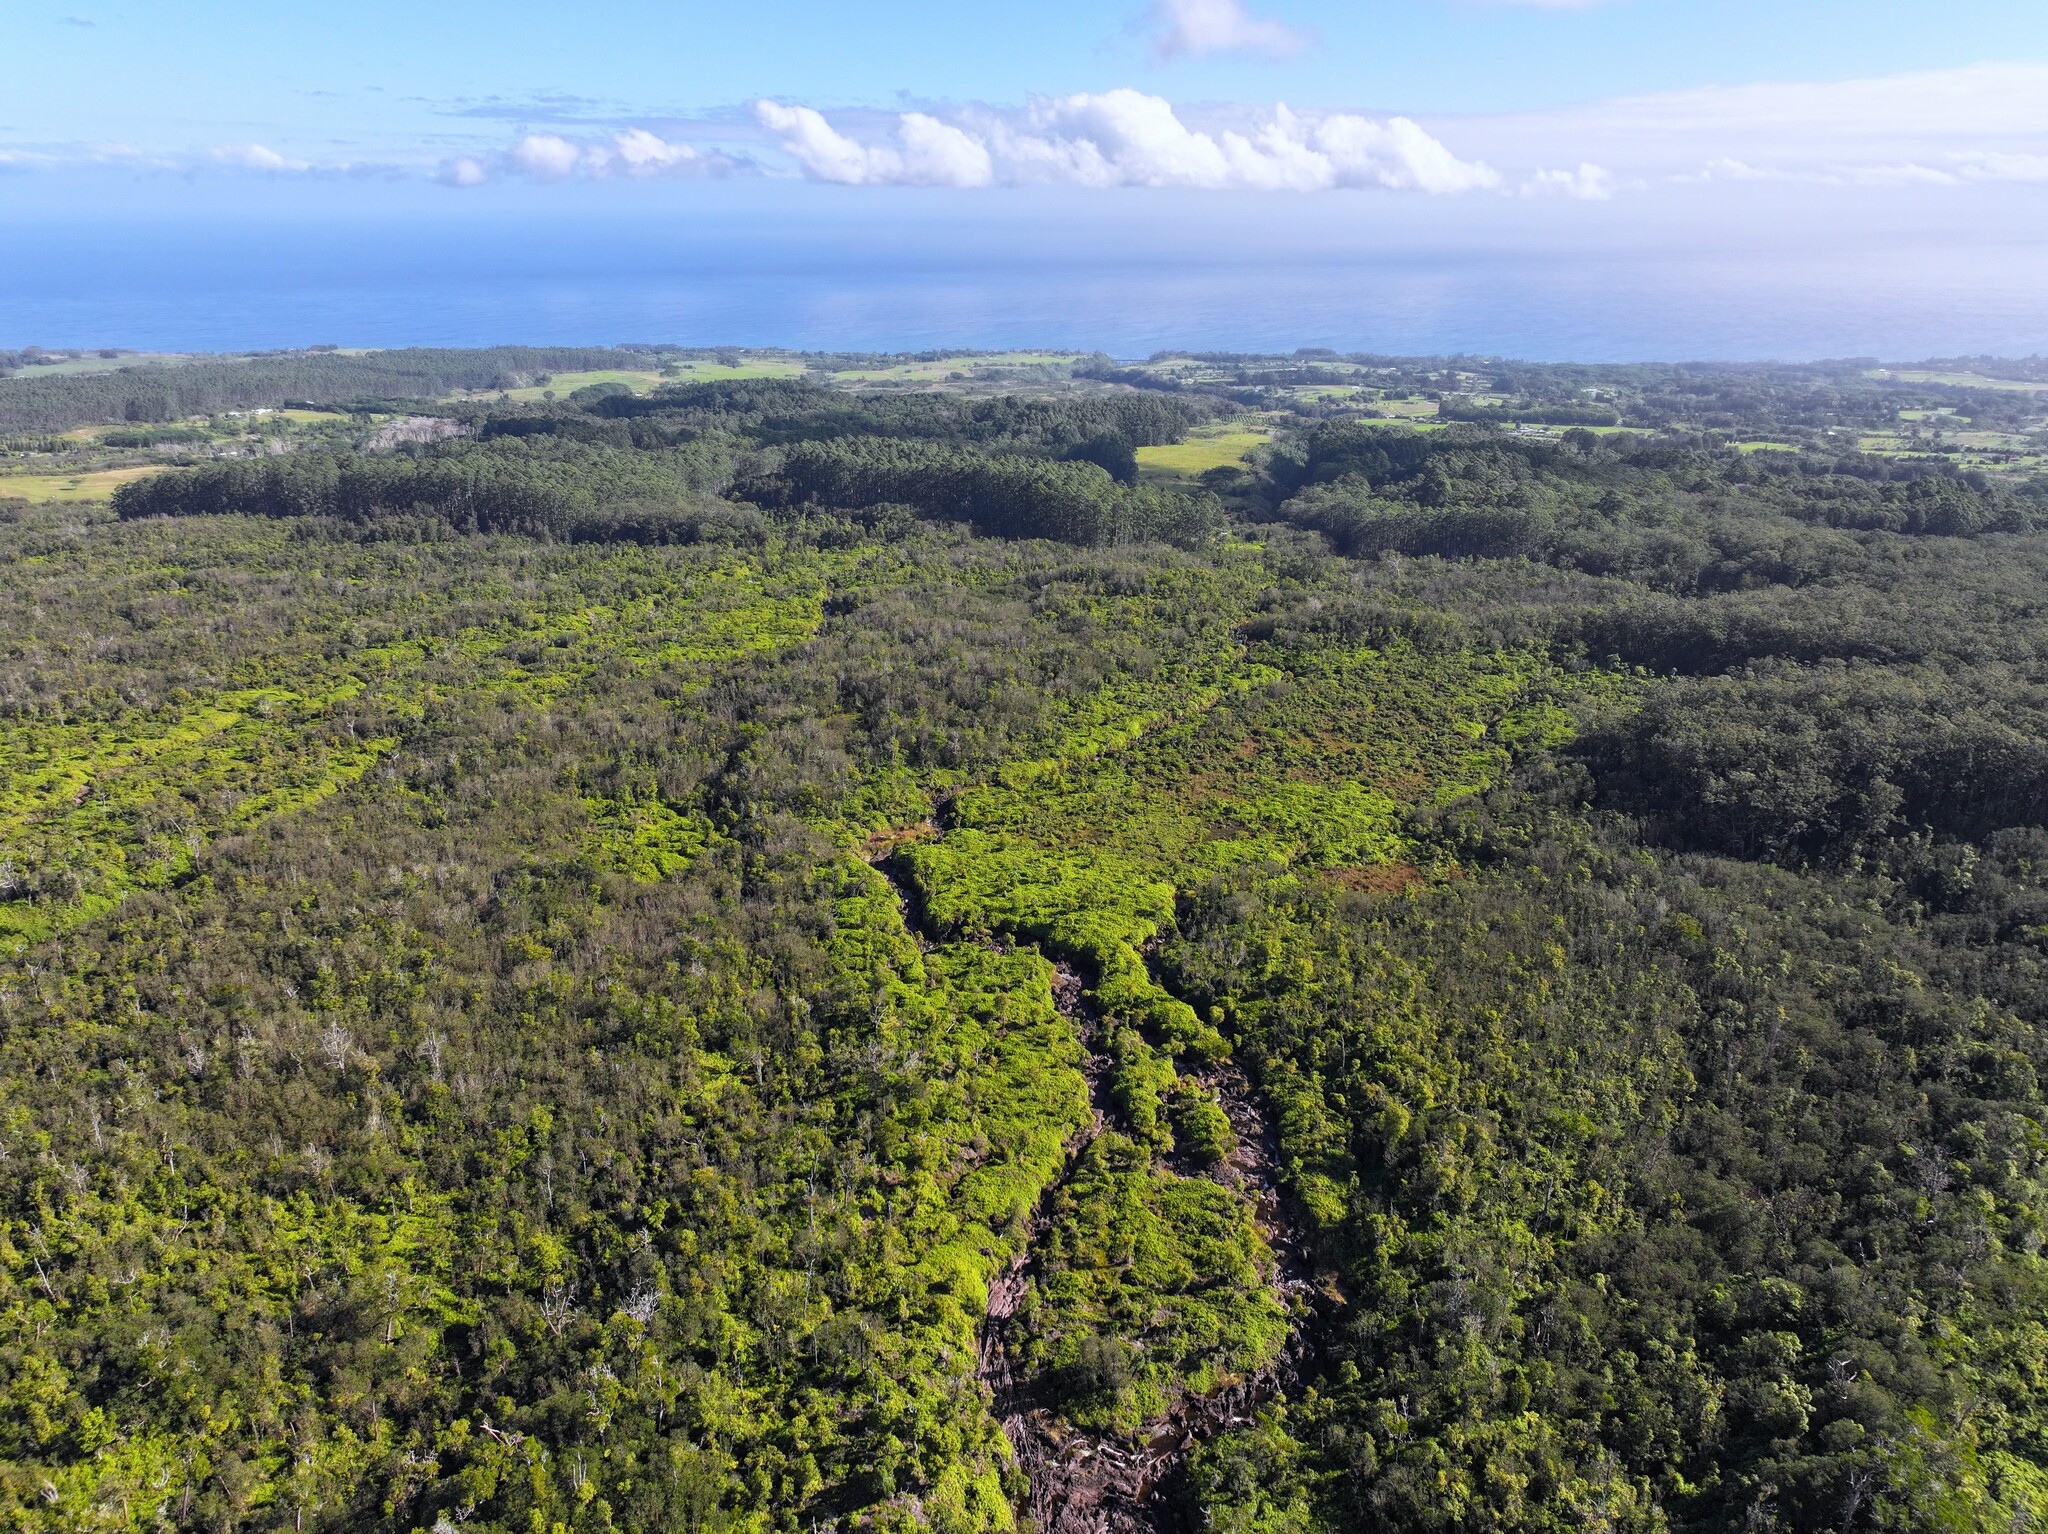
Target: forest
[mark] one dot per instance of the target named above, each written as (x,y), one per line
(60,401)
(740,948)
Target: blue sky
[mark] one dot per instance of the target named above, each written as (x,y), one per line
(161,72)
(454,103)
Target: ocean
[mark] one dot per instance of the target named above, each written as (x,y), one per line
(876,284)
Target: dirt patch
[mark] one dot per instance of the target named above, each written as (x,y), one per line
(414,428)
(1376,878)
(885,842)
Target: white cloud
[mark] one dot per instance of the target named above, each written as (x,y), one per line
(1956,168)
(1589,183)
(234,157)
(1949,170)
(1981,127)
(648,154)
(933,153)
(940,154)
(1125,138)
(1727,168)
(1191,28)
(1986,125)
(1982,99)
(1993,166)
(79,156)
(549,157)
(258,157)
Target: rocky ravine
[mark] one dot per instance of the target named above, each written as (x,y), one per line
(1084,1482)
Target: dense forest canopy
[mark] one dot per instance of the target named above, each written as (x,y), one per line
(29,402)
(750,953)
(631,466)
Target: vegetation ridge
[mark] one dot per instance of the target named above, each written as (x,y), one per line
(968,943)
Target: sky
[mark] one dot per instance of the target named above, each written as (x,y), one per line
(1593,101)
(798,131)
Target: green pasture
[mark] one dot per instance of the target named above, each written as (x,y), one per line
(942,369)
(92,364)
(87,485)
(1966,381)
(708,372)
(1185,460)
(562,385)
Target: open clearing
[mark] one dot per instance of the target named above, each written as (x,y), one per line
(1968,381)
(706,372)
(941,369)
(93,364)
(1325,391)
(1185,460)
(94,485)
(562,385)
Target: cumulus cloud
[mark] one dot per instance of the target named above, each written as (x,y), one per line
(1191,28)
(1127,138)
(1984,126)
(928,152)
(259,157)
(464,171)
(1589,183)
(630,152)
(549,157)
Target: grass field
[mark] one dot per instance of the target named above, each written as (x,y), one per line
(1967,381)
(562,385)
(705,372)
(92,364)
(1185,460)
(944,368)
(92,485)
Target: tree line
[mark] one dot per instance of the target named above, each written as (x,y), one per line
(203,387)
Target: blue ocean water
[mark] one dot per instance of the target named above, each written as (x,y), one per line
(220,284)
